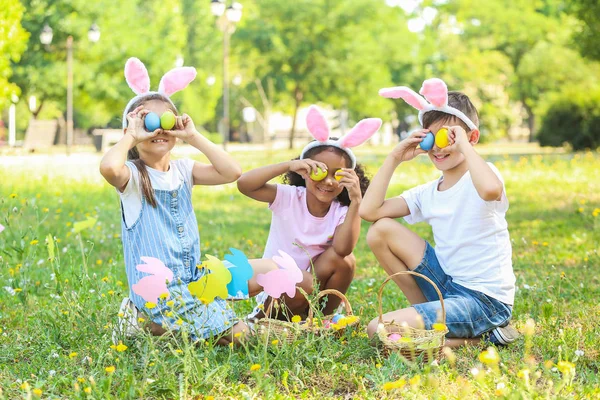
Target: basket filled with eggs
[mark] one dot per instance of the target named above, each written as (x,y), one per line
(409,341)
(335,324)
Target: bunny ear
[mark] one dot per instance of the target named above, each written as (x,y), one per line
(435,91)
(176,79)
(137,76)
(361,132)
(316,124)
(407,94)
(155,266)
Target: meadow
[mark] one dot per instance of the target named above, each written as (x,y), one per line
(57,311)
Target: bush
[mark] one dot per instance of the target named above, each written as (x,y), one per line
(574,118)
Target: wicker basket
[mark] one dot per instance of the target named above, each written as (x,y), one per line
(284,331)
(418,341)
(320,330)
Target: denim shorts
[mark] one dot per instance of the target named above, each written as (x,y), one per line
(469,313)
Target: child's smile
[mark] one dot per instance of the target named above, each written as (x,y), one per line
(326,191)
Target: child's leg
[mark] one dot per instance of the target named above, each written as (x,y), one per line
(397,249)
(334,272)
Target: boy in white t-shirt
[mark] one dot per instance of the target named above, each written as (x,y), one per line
(471,263)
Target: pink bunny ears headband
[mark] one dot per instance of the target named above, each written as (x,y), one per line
(138,80)
(318,128)
(436,99)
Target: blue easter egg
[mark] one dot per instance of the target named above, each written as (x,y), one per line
(427,143)
(336,318)
(152,122)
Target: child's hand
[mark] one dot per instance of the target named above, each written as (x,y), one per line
(184,128)
(351,182)
(457,138)
(136,128)
(305,167)
(407,149)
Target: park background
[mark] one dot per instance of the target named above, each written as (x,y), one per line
(531,67)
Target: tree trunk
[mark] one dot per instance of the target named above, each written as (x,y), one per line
(298,100)
(530,122)
(36,112)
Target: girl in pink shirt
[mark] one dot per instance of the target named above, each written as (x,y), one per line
(315,212)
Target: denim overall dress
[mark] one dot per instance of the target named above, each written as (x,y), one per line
(169,232)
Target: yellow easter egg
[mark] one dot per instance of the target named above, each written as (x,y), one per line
(337,176)
(441,138)
(319,175)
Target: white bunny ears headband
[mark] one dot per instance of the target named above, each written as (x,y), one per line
(436,99)
(318,128)
(138,80)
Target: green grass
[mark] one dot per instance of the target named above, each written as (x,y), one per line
(56,326)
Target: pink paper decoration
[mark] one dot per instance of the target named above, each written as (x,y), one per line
(151,287)
(282,280)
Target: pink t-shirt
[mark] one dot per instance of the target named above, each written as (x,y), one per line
(293,223)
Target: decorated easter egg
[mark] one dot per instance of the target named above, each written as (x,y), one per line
(427,143)
(152,122)
(319,175)
(326,324)
(167,120)
(336,318)
(441,138)
(394,337)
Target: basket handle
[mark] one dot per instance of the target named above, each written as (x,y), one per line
(335,292)
(380,294)
(273,300)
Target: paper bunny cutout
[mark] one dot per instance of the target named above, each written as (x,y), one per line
(436,99)
(241,272)
(138,79)
(282,280)
(213,283)
(318,128)
(151,287)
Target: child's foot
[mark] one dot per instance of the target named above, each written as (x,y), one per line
(128,325)
(504,335)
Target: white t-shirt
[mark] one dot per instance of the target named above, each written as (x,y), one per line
(180,172)
(471,235)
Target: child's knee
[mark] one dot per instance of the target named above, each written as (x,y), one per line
(330,263)
(377,233)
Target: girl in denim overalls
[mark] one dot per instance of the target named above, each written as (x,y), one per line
(157,215)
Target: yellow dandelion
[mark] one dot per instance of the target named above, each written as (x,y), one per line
(120,315)
(170,303)
(255,367)
(535,243)
(45,209)
(580,209)
(98,262)
(169,314)
(111,292)
(489,356)
(204,301)
(296,319)
(164,296)
(110,369)
(73,354)
(179,351)
(596,212)
(81,380)
(415,380)
(121,347)
(249,242)
(34,242)
(566,368)
(68,224)
(563,275)
(378,365)
(37,392)
(18,290)
(529,329)
(105,279)
(179,322)
(150,305)
(275,342)
(88,390)
(209,397)
(25,386)
(237,335)
(119,283)
(151,364)
(231,345)
(388,386)
(545,244)
(141,320)
(13,195)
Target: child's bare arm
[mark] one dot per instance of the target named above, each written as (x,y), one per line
(347,233)
(254,183)
(112,166)
(488,185)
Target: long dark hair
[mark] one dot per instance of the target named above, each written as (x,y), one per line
(294,179)
(134,156)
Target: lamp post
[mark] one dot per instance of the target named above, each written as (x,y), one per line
(46,38)
(227,18)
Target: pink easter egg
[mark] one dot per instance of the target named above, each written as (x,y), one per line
(394,337)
